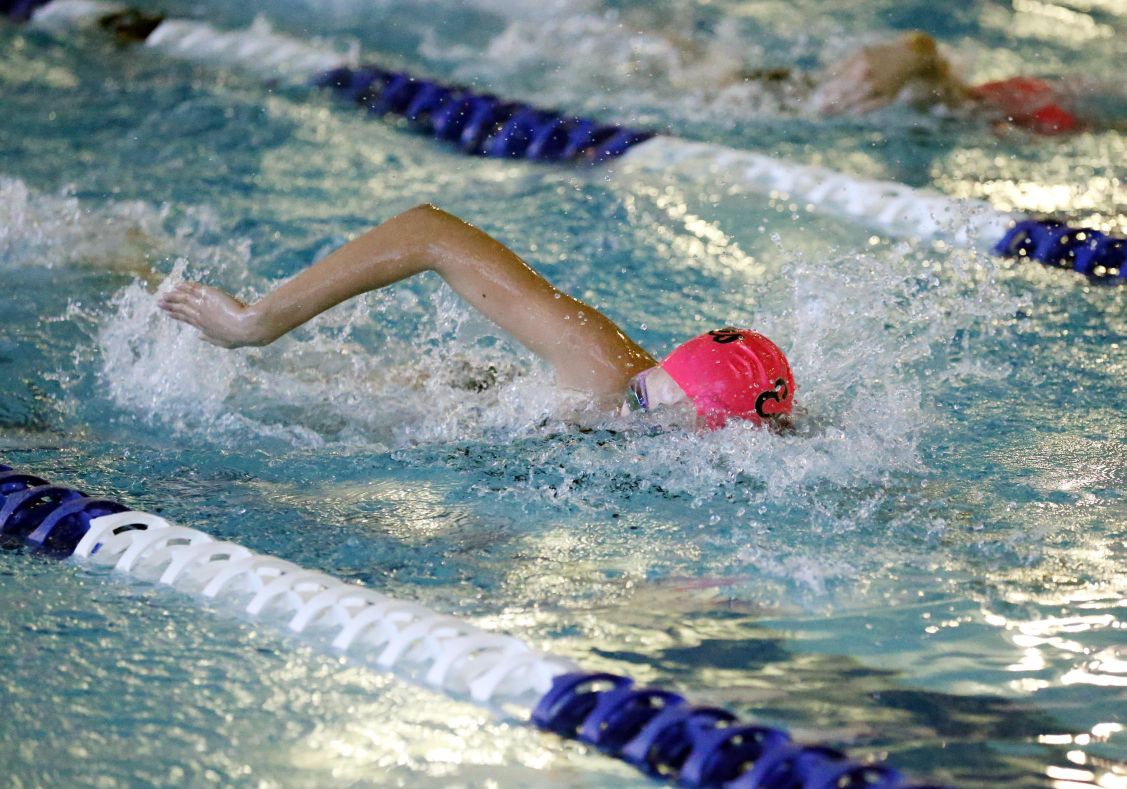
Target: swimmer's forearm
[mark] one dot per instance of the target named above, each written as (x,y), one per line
(421,239)
(399,248)
(587,350)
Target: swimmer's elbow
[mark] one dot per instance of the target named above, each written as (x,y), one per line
(427,213)
(436,233)
(426,223)
(424,209)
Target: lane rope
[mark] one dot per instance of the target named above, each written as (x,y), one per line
(443,652)
(483,124)
(655,730)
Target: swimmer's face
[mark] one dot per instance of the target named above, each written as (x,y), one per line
(652,389)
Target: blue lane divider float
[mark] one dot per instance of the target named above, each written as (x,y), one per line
(482,124)
(1094,254)
(20,10)
(655,730)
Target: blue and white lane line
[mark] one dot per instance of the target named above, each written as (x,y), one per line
(482,124)
(655,730)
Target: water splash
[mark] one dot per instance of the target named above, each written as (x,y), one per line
(323,385)
(48,230)
(157,366)
(879,345)
(633,61)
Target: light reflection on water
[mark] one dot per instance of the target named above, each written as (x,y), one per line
(940,584)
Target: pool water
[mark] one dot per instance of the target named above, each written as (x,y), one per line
(929,571)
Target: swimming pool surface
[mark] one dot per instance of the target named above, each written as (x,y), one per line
(931,570)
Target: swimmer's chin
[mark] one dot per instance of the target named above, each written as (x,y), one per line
(682,416)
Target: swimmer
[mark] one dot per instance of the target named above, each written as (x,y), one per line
(912,69)
(724,374)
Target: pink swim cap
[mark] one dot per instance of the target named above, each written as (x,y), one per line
(732,373)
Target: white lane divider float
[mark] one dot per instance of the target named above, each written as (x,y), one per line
(444,651)
(656,730)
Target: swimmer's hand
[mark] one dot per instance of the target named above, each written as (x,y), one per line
(222,319)
(875,76)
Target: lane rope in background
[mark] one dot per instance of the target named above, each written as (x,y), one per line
(655,730)
(485,125)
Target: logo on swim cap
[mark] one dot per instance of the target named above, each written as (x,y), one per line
(778,395)
(725,335)
(730,373)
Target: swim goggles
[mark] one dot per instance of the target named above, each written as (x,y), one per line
(637,399)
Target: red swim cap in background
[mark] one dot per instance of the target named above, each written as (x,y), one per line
(1028,102)
(732,373)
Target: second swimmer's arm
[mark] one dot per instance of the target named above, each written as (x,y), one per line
(587,350)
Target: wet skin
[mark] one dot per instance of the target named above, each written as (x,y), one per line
(585,348)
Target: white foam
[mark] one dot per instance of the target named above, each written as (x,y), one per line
(630,61)
(38,229)
(61,15)
(318,385)
(868,337)
(157,366)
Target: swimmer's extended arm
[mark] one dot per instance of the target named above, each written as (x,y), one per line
(587,350)
(875,76)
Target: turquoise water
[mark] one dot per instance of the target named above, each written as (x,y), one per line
(929,571)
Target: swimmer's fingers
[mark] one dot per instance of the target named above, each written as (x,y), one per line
(178,299)
(828,99)
(861,87)
(190,317)
(220,317)
(179,309)
(183,315)
(862,98)
(193,318)
(184,292)
(181,303)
